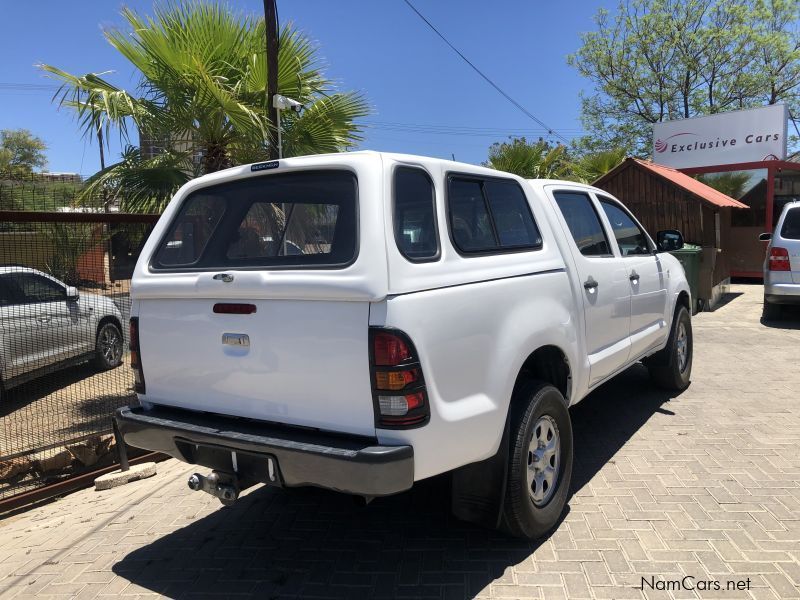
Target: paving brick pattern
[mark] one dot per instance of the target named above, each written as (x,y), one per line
(705,485)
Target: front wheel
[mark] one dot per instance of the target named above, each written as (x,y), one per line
(108,347)
(671,368)
(540,461)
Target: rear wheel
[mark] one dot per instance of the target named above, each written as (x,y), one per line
(108,348)
(671,368)
(540,461)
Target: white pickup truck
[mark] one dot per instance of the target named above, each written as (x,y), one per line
(362,321)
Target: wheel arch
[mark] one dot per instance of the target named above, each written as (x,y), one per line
(549,364)
(683,300)
(109,319)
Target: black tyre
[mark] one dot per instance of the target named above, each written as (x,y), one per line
(671,368)
(108,347)
(540,461)
(772,312)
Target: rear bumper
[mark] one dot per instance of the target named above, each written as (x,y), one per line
(349,464)
(782,293)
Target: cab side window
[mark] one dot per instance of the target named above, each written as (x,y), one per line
(490,216)
(415,231)
(9,292)
(32,289)
(584,223)
(631,239)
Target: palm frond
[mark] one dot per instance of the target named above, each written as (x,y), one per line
(137,184)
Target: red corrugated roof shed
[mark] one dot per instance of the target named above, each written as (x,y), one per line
(690,184)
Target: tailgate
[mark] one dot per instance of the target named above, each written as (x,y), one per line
(304,362)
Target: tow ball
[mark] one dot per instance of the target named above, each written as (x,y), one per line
(217,484)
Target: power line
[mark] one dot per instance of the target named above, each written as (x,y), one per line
(462,130)
(550,130)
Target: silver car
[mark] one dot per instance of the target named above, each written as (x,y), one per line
(782,263)
(46,325)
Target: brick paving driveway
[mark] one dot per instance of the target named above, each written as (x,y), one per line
(705,485)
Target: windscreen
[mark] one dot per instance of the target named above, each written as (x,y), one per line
(302,219)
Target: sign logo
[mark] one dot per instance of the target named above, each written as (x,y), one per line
(661,145)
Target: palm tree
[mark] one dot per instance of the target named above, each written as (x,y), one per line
(203,93)
(529,160)
(731,183)
(591,167)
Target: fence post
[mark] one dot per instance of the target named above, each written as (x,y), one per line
(122,451)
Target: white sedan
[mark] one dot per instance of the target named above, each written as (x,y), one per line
(46,325)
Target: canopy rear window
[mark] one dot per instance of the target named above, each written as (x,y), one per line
(294,220)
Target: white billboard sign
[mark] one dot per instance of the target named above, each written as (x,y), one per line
(725,138)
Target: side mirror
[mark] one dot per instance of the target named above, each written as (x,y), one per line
(669,240)
(72,293)
(764,237)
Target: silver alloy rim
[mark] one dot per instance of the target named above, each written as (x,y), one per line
(682,345)
(110,344)
(544,460)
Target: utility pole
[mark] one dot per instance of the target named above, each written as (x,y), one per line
(102,161)
(100,143)
(271,29)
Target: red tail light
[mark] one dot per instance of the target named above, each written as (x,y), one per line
(398,387)
(389,349)
(136,358)
(779,259)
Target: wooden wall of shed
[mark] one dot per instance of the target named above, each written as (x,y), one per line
(660,205)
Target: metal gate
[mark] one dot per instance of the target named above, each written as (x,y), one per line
(64,368)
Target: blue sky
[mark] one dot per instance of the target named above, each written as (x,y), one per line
(380,47)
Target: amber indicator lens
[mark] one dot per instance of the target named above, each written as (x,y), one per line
(395,380)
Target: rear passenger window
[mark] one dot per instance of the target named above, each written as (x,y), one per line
(490,215)
(415,229)
(791,225)
(584,223)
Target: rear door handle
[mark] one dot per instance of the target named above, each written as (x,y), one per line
(634,277)
(590,284)
(43,318)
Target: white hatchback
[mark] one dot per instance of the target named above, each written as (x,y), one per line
(782,263)
(46,325)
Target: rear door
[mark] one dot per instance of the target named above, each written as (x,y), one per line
(790,239)
(605,285)
(250,308)
(646,278)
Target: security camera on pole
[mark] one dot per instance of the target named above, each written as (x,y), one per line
(280,103)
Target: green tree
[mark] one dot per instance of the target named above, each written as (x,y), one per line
(203,95)
(530,160)
(20,152)
(659,60)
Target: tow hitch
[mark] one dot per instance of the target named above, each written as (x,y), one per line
(219,485)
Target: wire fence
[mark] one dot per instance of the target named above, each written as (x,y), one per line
(64,367)
(45,192)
